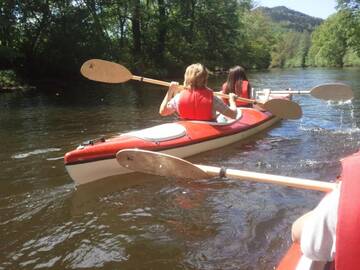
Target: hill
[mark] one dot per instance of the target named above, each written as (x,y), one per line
(291,19)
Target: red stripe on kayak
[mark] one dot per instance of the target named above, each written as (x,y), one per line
(291,258)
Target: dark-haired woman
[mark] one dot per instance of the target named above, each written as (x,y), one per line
(238,84)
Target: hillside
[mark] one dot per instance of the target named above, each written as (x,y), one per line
(291,19)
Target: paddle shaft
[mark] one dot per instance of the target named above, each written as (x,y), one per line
(163,83)
(148,80)
(327,91)
(272,179)
(299,92)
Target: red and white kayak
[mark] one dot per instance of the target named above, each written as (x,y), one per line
(96,159)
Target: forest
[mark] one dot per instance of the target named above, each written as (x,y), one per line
(51,39)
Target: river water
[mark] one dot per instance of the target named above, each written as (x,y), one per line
(147,222)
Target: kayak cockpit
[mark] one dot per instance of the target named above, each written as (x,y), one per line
(222,120)
(160,133)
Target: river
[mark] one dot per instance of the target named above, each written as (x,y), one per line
(147,222)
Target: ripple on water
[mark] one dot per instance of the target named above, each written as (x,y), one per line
(35,152)
(24,207)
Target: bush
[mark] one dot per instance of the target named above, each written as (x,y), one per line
(8,78)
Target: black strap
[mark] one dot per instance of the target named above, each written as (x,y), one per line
(222,172)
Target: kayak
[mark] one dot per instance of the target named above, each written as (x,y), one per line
(294,259)
(96,159)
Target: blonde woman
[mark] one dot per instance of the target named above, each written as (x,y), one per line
(195,101)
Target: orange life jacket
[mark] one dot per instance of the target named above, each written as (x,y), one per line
(196,104)
(243,92)
(347,254)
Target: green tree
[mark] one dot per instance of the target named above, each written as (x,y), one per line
(351,23)
(259,39)
(329,42)
(156,36)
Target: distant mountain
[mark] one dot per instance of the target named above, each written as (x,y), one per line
(291,19)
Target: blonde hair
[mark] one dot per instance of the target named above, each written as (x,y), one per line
(196,76)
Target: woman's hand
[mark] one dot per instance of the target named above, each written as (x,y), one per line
(232,100)
(172,91)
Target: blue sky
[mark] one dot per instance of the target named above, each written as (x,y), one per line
(316,8)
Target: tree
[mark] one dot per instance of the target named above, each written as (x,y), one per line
(329,42)
(260,38)
(351,23)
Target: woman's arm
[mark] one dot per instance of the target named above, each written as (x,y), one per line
(316,230)
(164,109)
(229,111)
(298,225)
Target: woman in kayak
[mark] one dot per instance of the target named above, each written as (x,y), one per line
(237,83)
(195,101)
(331,230)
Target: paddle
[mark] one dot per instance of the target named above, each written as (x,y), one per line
(165,165)
(328,91)
(109,72)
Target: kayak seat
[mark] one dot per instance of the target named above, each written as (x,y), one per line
(164,132)
(222,120)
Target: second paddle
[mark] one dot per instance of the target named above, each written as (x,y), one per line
(165,165)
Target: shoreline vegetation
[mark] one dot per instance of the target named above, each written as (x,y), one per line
(10,81)
(50,41)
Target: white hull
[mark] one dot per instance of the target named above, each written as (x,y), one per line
(88,172)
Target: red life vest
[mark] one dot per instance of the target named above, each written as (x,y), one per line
(243,92)
(347,255)
(196,104)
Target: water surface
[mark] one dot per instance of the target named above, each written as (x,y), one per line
(148,222)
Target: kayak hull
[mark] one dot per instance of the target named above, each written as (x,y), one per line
(96,161)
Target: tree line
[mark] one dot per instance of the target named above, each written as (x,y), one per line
(161,37)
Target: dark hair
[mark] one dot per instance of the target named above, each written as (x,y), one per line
(236,73)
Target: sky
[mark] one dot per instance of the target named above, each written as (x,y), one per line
(316,8)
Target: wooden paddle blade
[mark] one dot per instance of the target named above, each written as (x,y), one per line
(159,164)
(284,108)
(332,91)
(105,71)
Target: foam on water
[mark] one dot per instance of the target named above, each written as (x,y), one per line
(35,152)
